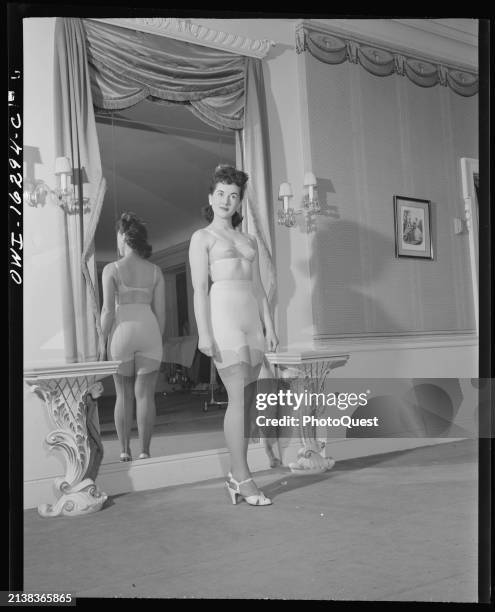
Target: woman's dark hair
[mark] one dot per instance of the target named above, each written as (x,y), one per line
(135,233)
(230,176)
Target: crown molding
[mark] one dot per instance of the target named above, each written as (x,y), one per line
(188,31)
(174,255)
(423,38)
(464,31)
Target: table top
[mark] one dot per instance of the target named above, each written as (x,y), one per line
(99,369)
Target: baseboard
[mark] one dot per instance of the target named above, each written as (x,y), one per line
(159,472)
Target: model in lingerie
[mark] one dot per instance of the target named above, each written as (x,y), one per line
(133,320)
(231,317)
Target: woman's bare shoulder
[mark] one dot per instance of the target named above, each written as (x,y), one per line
(109,269)
(158,269)
(201,237)
(153,266)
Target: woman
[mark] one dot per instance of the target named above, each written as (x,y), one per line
(133,320)
(229,325)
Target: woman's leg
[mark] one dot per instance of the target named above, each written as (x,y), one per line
(124,404)
(233,424)
(144,390)
(237,440)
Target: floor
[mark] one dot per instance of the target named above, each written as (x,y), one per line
(181,425)
(400,526)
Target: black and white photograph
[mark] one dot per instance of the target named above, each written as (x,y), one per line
(249,317)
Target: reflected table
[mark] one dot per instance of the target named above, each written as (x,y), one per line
(69,392)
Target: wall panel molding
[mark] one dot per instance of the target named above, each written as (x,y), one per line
(381,342)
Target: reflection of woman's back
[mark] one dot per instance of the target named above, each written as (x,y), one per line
(235,319)
(136,334)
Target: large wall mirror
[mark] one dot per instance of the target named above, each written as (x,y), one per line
(158,160)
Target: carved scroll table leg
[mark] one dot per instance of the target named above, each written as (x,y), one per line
(310,460)
(308,373)
(68,401)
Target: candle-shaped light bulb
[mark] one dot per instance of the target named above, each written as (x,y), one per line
(284,193)
(63,168)
(310,183)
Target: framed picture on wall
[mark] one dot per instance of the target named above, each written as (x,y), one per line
(412,227)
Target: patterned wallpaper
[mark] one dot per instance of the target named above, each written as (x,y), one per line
(372,138)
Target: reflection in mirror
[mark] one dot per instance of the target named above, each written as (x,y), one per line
(158,160)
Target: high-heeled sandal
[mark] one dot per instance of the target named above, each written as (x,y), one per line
(124,457)
(252,500)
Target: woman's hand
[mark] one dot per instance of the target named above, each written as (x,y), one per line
(271,340)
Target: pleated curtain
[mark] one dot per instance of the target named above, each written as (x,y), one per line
(76,138)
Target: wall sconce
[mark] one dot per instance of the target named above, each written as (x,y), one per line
(286,214)
(65,192)
(311,203)
(35,194)
(72,203)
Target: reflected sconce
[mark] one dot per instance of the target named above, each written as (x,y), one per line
(286,213)
(310,202)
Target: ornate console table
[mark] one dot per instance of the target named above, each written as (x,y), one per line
(69,392)
(308,370)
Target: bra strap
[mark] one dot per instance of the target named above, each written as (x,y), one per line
(212,232)
(117,273)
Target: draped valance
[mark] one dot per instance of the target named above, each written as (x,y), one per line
(333,49)
(128,66)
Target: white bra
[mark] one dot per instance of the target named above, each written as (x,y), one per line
(231,251)
(133,295)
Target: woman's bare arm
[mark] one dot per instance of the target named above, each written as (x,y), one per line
(198,260)
(271,337)
(108,309)
(158,303)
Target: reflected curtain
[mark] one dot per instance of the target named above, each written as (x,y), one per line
(223,89)
(76,138)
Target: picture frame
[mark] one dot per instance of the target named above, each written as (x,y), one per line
(412,223)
